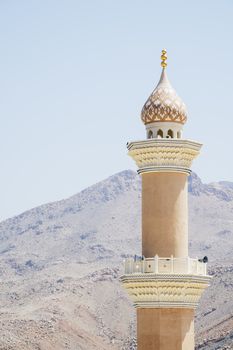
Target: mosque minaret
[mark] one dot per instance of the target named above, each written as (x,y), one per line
(164,283)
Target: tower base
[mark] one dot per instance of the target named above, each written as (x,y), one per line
(165,329)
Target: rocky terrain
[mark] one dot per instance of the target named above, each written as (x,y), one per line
(60,265)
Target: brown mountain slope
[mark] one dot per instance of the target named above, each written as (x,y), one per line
(60,265)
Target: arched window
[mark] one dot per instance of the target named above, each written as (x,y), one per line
(170,133)
(150,134)
(178,134)
(160,133)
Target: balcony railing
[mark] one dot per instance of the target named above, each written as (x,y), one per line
(169,265)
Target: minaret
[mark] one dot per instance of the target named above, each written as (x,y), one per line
(164,283)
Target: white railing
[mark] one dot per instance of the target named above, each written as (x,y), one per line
(169,265)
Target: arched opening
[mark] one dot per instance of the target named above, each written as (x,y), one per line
(160,133)
(150,134)
(178,134)
(170,133)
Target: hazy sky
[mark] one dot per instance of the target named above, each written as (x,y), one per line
(74,76)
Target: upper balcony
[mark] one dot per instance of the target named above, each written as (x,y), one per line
(164,155)
(170,265)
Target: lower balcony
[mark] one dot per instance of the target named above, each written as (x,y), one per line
(165,282)
(169,265)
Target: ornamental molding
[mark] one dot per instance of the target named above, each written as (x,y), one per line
(160,155)
(160,291)
(164,169)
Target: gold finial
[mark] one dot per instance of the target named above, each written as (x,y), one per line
(164,58)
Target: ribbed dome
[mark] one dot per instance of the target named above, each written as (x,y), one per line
(164,105)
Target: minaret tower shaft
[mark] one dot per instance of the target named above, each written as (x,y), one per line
(165,284)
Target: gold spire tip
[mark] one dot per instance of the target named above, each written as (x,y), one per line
(164,58)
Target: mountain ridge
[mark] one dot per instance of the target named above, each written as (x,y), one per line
(195,187)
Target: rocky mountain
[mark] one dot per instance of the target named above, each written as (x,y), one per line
(60,264)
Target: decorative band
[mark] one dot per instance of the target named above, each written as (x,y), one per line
(165,304)
(164,169)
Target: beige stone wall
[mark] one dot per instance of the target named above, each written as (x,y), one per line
(164,214)
(165,329)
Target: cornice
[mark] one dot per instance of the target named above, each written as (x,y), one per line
(164,142)
(160,290)
(164,155)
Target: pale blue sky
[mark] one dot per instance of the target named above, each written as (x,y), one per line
(75,74)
